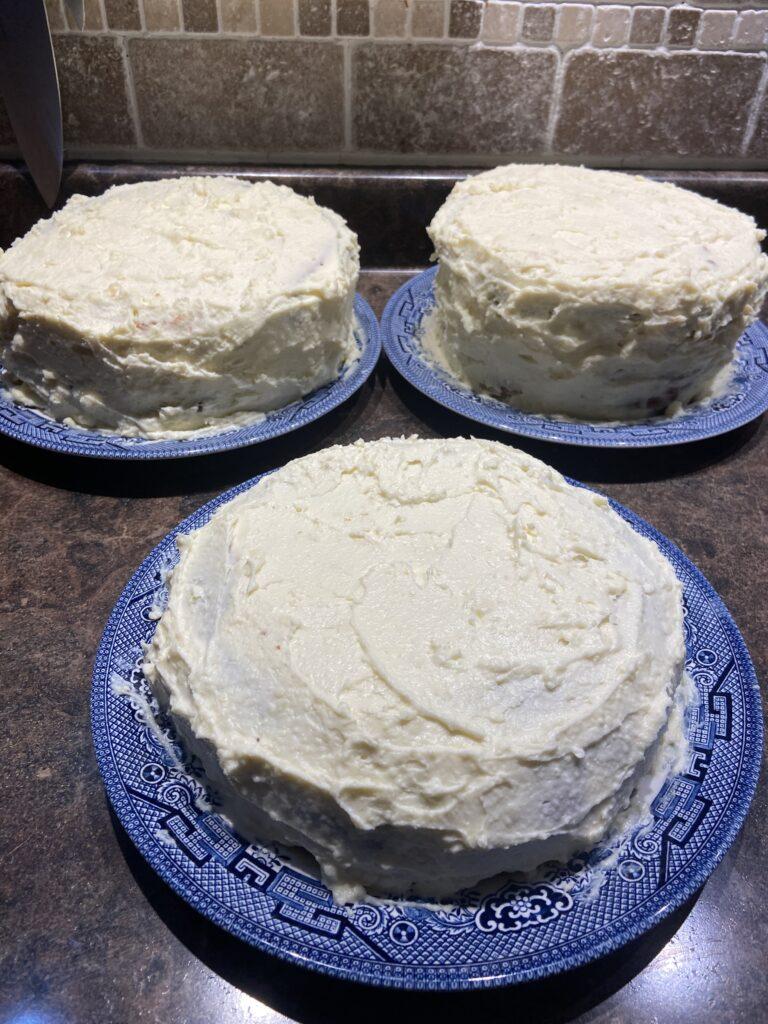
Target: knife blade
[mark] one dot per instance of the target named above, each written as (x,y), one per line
(30,88)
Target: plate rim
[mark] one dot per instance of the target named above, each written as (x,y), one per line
(341,388)
(656,907)
(548,430)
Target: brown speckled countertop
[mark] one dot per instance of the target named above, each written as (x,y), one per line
(89,934)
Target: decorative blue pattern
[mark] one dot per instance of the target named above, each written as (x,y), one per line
(570,914)
(26,424)
(746,398)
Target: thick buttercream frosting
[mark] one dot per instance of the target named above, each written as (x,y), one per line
(424,661)
(170,306)
(591,294)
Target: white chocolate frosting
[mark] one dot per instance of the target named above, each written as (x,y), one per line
(426,662)
(171,306)
(591,294)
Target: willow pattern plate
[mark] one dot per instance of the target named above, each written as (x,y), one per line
(745,399)
(26,424)
(567,916)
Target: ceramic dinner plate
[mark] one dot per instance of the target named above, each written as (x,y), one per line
(510,932)
(746,398)
(26,424)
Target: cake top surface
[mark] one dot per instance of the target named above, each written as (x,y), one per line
(589,233)
(177,258)
(404,621)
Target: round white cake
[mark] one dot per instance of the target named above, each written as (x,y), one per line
(171,306)
(591,294)
(426,662)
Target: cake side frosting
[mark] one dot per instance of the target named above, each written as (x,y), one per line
(592,294)
(165,307)
(424,661)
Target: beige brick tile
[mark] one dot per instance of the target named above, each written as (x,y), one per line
(501,23)
(389,18)
(276,18)
(716,30)
(238,15)
(428,19)
(574,25)
(611,26)
(162,15)
(751,32)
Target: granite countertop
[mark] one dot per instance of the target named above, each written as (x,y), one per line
(89,934)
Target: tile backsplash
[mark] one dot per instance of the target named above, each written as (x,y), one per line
(452,82)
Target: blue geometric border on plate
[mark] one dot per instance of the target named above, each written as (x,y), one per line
(27,424)
(572,914)
(746,398)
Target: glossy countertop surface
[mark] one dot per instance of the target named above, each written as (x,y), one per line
(89,934)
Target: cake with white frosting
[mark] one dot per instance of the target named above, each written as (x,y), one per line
(426,662)
(166,307)
(591,294)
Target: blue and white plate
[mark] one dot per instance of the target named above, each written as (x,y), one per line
(569,915)
(746,398)
(26,424)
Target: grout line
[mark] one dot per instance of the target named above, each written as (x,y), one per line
(130,91)
(754,112)
(662,45)
(554,110)
(480,41)
(347,95)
